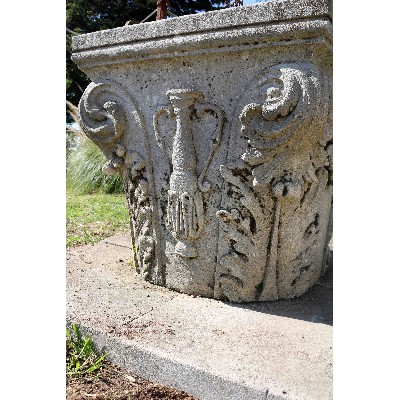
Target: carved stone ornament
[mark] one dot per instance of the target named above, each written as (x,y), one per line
(185,213)
(279,181)
(106,112)
(221,129)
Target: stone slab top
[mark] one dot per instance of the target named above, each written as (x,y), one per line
(214,350)
(275,11)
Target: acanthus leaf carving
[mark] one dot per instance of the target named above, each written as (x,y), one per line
(280,125)
(140,209)
(286,164)
(239,268)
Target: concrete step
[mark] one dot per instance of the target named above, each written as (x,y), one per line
(211,349)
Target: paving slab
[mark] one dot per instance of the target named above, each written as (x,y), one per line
(213,350)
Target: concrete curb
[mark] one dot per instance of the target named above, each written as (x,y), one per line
(211,349)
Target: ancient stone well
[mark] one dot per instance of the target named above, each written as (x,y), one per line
(220,124)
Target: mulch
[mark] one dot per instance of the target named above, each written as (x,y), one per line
(116,383)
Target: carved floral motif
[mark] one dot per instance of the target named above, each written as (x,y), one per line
(140,210)
(280,182)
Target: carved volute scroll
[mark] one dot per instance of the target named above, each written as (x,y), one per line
(109,116)
(278,189)
(185,212)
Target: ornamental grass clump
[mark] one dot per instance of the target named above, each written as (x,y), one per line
(84,174)
(85,161)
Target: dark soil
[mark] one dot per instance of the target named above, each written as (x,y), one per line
(116,383)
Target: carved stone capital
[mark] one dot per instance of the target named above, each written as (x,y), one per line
(221,127)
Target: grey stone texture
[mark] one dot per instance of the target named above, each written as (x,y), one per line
(213,350)
(220,124)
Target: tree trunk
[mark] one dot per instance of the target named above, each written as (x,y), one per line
(161,10)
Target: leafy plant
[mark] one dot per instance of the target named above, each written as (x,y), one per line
(81,354)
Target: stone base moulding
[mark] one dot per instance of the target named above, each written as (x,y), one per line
(221,125)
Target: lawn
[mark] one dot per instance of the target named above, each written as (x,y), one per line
(93,217)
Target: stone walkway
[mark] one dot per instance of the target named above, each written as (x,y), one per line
(211,349)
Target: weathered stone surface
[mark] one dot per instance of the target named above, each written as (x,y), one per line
(214,350)
(220,124)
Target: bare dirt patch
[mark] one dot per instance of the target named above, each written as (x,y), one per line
(116,383)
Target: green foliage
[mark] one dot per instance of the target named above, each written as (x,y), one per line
(81,354)
(84,174)
(91,218)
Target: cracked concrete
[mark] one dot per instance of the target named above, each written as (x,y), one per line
(211,349)
(121,241)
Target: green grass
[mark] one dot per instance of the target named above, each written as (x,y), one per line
(91,218)
(82,358)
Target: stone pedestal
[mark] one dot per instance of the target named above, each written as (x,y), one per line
(220,124)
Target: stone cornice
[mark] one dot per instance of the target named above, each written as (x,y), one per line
(260,24)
